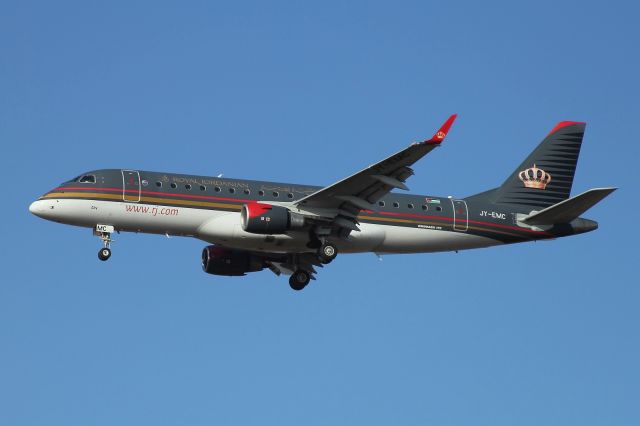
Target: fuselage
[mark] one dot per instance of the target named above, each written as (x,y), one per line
(208,208)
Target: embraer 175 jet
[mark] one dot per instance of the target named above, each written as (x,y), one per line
(291,229)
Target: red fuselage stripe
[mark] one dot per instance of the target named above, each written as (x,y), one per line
(238,200)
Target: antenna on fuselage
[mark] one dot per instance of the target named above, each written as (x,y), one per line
(220,175)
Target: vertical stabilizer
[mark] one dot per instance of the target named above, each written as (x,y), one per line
(546,176)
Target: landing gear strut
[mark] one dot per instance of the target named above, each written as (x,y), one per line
(104,232)
(327,252)
(299,279)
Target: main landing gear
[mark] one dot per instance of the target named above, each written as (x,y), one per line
(299,279)
(104,232)
(303,264)
(327,252)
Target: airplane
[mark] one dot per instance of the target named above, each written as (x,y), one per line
(291,229)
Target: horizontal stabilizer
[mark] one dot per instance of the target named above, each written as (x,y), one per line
(569,209)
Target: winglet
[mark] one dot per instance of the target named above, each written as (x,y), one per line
(442,132)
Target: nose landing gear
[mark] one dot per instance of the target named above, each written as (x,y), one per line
(104,232)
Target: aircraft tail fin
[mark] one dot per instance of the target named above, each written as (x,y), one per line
(568,210)
(546,176)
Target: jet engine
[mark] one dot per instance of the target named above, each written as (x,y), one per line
(259,218)
(223,261)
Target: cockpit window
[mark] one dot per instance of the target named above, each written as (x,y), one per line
(87,179)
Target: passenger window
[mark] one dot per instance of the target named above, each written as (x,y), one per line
(381,203)
(275,194)
(425,207)
(232,190)
(289,195)
(159,184)
(396,205)
(247,192)
(410,205)
(88,179)
(217,189)
(188,187)
(439,208)
(261,192)
(203,188)
(173,185)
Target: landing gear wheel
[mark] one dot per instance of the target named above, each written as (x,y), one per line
(299,279)
(104,254)
(327,253)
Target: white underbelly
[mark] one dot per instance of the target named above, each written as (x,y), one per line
(400,239)
(220,227)
(130,217)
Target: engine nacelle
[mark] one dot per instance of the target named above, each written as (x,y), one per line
(223,261)
(259,218)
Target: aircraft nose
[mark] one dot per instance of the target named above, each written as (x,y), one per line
(37,207)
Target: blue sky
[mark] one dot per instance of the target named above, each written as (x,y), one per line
(540,333)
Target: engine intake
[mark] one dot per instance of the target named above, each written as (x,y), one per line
(223,261)
(260,218)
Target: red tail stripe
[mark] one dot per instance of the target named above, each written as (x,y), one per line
(562,124)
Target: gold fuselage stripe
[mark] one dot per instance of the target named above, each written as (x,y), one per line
(118,197)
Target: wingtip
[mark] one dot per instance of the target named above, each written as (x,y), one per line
(439,136)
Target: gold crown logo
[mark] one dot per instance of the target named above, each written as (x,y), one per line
(535,178)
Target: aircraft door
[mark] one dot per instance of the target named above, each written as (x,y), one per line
(460,215)
(131,186)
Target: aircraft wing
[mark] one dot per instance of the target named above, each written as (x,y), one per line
(361,190)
